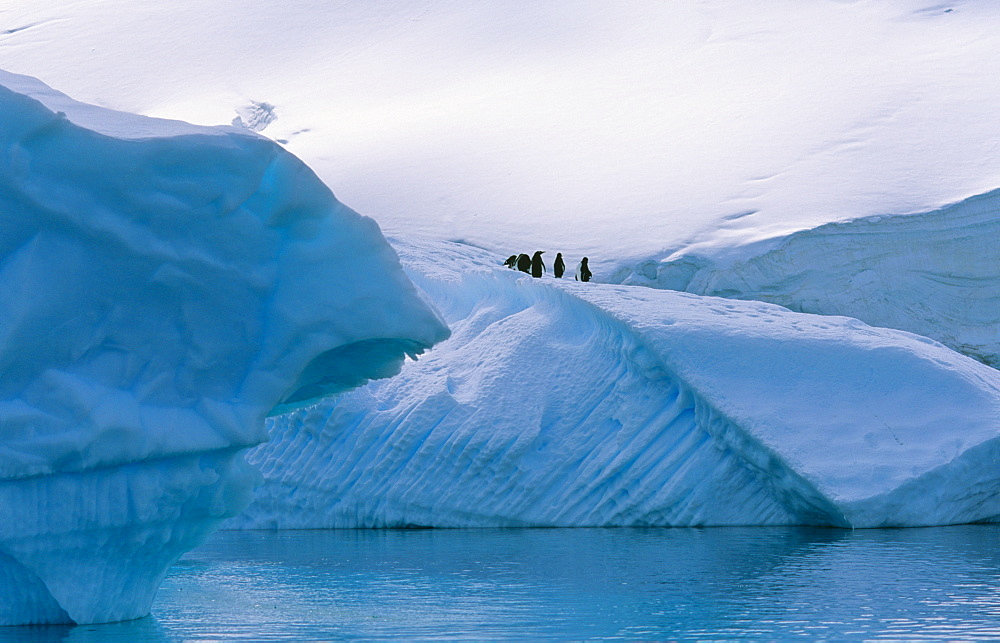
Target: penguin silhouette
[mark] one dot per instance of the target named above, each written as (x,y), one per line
(511,260)
(537,267)
(523,263)
(559,266)
(583,271)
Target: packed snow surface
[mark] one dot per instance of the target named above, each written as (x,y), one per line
(620,130)
(164,287)
(935,274)
(558,403)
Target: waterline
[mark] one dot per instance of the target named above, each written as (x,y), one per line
(576,583)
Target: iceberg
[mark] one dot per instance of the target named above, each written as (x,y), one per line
(557,403)
(935,273)
(164,287)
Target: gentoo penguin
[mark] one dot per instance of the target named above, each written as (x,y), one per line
(537,267)
(583,271)
(511,260)
(523,263)
(559,266)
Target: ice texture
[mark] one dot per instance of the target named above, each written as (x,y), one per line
(558,403)
(164,287)
(935,274)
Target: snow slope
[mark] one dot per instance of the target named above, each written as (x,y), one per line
(163,288)
(935,274)
(622,130)
(557,403)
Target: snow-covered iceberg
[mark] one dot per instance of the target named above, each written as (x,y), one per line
(936,273)
(557,403)
(163,287)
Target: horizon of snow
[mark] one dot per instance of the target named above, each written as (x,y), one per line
(557,403)
(936,273)
(622,132)
(164,287)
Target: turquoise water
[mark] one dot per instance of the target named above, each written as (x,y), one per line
(575,583)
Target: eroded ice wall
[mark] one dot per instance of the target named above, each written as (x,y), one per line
(936,274)
(163,287)
(557,403)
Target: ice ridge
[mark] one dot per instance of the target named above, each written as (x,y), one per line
(564,404)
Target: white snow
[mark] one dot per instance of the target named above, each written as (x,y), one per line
(936,274)
(164,287)
(622,131)
(558,403)
(680,145)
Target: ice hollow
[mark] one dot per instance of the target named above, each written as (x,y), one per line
(557,403)
(163,288)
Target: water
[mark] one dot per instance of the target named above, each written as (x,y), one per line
(575,583)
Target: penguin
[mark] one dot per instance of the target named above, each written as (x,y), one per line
(537,267)
(583,271)
(523,263)
(559,266)
(511,260)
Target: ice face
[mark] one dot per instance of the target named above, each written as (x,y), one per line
(934,273)
(164,288)
(566,404)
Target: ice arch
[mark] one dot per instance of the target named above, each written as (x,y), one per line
(163,287)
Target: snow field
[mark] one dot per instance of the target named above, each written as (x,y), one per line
(621,132)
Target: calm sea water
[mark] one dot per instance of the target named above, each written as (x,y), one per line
(574,583)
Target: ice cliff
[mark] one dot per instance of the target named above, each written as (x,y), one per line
(557,403)
(163,288)
(935,273)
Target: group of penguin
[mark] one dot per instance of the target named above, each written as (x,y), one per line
(534,266)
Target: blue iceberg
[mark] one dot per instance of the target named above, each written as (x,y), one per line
(165,287)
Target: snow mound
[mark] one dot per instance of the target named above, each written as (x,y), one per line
(936,274)
(163,287)
(557,403)
(255,117)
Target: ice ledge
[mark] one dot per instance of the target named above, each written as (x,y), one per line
(564,404)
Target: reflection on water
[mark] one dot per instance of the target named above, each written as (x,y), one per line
(574,583)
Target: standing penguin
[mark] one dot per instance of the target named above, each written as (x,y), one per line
(537,267)
(559,266)
(523,262)
(583,271)
(511,260)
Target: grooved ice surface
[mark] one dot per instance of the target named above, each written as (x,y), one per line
(569,404)
(163,287)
